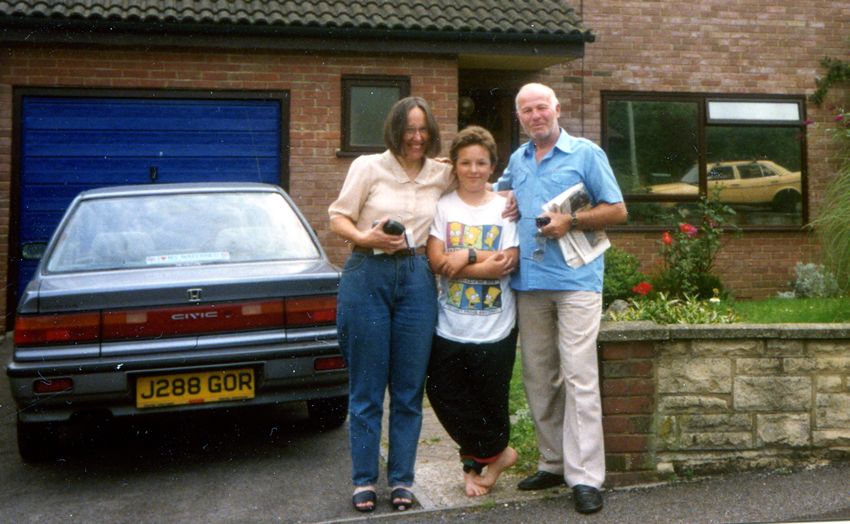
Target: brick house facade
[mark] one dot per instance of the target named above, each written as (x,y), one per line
(746,47)
(719,47)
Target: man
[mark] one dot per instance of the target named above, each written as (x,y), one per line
(560,307)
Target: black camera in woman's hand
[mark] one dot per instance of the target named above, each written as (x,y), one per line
(393,227)
(542,221)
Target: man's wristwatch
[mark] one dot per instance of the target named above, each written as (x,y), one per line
(573,220)
(472,256)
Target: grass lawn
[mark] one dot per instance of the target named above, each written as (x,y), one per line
(793,310)
(523,438)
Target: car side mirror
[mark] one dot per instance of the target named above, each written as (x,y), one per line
(33,250)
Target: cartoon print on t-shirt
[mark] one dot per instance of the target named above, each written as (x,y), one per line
(472,236)
(481,296)
(473,297)
(469,296)
(491,298)
(455,233)
(455,293)
(461,236)
(491,237)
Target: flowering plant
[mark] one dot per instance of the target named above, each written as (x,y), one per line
(689,252)
(644,288)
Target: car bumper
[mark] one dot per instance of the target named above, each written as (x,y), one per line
(284,372)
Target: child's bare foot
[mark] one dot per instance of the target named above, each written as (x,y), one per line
(506,459)
(473,488)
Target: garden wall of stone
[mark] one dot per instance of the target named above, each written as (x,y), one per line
(685,400)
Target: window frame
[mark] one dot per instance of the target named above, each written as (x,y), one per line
(351,81)
(703,124)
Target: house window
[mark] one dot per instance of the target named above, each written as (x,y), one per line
(668,150)
(366,102)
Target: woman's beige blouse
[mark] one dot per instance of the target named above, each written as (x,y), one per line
(377,186)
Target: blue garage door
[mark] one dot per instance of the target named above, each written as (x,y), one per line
(73,144)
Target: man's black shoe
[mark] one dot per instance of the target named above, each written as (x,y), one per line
(540,480)
(587,499)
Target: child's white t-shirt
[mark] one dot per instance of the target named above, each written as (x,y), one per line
(474,310)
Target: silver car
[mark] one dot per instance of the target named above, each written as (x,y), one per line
(153,299)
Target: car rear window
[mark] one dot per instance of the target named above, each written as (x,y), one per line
(178,230)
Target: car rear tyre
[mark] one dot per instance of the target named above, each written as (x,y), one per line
(328,413)
(787,201)
(37,441)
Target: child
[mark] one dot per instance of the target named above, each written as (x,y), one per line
(474,249)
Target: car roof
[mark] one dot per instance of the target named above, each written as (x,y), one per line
(188,187)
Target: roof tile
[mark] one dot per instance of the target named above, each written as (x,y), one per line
(537,17)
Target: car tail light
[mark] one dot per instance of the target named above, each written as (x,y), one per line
(53,385)
(327,363)
(174,321)
(187,320)
(311,311)
(57,329)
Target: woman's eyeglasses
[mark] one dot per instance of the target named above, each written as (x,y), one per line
(410,132)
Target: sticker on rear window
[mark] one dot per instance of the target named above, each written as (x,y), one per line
(189,258)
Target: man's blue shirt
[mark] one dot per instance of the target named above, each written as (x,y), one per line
(571,161)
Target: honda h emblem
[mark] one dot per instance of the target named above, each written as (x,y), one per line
(194,294)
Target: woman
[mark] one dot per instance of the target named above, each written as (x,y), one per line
(474,249)
(387,305)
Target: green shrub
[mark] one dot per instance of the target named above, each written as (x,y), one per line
(690,310)
(621,275)
(814,281)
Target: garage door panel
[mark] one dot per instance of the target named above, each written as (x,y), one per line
(43,223)
(71,144)
(53,198)
(119,171)
(172,143)
(112,114)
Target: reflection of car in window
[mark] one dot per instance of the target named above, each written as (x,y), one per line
(721,173)
(758,182)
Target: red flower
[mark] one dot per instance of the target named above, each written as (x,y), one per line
(666,238)
(688,229)
(643,289)
(839,118)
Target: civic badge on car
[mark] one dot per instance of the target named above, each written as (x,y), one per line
(194,294)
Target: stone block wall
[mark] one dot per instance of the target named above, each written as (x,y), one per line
(683,400)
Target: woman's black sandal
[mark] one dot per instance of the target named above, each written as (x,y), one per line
(361,498)
(402,499)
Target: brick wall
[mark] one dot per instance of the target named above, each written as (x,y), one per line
(628,403)
(314,83)
(706,399)
(714,46)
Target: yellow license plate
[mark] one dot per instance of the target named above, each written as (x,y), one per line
(194,388)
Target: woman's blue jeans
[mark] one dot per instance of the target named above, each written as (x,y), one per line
(386,315)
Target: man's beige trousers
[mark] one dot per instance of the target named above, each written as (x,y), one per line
(561,373)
